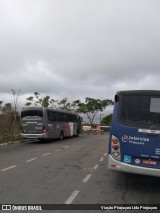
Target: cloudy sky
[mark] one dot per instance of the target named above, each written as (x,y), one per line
(79,48)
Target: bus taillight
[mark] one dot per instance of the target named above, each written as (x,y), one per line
(115,148)
(115,141)
(21,129)
(44,129)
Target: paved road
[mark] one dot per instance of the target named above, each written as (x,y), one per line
(73,171)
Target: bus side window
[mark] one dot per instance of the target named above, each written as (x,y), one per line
(51,116)
(54,114)
(68,117)
(75,118)
(60,116)
(65,117)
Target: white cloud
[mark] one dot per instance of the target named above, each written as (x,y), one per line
(78,49)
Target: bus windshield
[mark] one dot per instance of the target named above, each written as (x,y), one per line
(140,109)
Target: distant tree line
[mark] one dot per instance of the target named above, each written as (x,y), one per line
(9,119)
(9,116)
(91,107)
(107,120)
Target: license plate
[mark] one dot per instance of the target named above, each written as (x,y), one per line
(149,162)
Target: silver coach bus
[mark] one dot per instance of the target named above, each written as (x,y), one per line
(47,123)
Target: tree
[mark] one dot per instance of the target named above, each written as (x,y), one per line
(36,100)
(8,117)
(14,109)
(14,97)
(1,102)
(7,109)
(47,101)
(91,107)
(64,104)
(107,120)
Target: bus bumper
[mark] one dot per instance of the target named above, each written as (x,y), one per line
(34,136)
(124,167)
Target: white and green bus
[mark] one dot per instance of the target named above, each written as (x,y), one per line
(48,123)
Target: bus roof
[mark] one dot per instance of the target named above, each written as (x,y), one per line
(41,108)
(138,92)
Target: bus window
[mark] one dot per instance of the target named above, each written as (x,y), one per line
(32,112)
(155,105)
(52,116)
(141,109)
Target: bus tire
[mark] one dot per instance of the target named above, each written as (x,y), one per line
(61,136)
